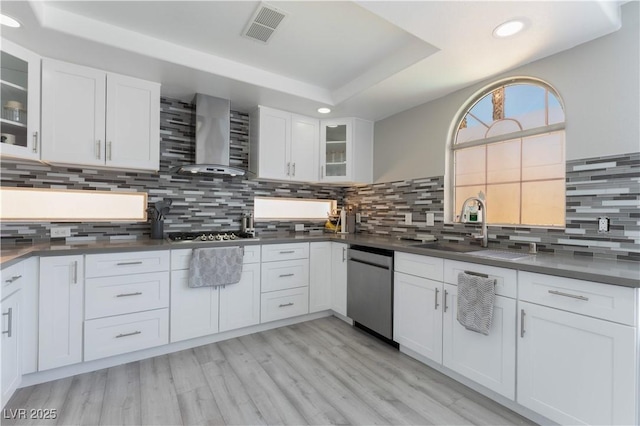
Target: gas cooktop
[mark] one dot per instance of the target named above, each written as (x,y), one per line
(208,236)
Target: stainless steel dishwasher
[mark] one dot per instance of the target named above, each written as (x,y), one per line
(370,289)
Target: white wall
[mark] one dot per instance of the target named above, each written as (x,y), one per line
(599,82)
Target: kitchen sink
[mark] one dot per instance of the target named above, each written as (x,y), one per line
(499,254)
(457,248)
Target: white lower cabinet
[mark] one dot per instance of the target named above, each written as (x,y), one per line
(417,315)
(10,341)
(320,276)
(61,314)
(489,360)
(283,304)
(194,311)
(240,302)
(339,278)
(575,369)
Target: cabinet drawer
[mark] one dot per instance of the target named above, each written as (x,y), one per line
(12,277)
(125,333)
(285,274)
(420,266)
(275,252)
(110,264)
(126,294)
(506,279)
(284,304)
(610,302)
(180,258)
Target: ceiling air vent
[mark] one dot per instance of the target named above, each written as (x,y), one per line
(263,23)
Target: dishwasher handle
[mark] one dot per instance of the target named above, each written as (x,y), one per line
(376,265)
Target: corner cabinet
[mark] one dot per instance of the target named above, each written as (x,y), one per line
(91,117)
(284,146)
(346,150)
(20,84)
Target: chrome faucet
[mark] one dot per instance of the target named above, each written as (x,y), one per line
(483,236)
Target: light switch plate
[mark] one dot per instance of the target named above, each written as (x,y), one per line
(60,232)
(431,219)
(408,218)
(603,224)
(299,227)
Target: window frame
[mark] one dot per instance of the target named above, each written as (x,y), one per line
(451,147)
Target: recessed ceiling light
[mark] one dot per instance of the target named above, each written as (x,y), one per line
(324,110)
(508,28)
(9,21)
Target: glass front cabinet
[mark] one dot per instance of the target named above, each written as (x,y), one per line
(20,119)
(346,150)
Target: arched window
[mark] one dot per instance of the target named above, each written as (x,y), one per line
(508,145)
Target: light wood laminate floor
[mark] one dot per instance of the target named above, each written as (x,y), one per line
(317,372)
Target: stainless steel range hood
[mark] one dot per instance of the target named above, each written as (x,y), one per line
(212,138)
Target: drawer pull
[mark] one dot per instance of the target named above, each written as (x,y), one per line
(435,299)
(9,313)
(13,278)
(285,305)
(445,300)
(285,275)
(477,274)
(139,262)
(573,296)
(128,334)
(287,252)
(137,293)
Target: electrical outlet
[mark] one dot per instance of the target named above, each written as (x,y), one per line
(431,219)
(358,218)
(60,232)
(408,218)
(603,224)
(299,227)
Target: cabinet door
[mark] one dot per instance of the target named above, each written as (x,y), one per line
(320,276)
(240,302)
(417,315)
(274,144)
(305,147)
(339,278)
(194,311)
(11,349)
(61,316)
(335,150)
(29,318)
(73,113)
(133,123)
(20,81)
(575,369)
(489,360)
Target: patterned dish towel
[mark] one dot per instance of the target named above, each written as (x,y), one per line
(212,267)
(476,296)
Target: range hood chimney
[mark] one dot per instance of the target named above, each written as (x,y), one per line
(213,117)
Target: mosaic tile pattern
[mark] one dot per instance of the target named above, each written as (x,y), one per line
(199,202)
(607,186)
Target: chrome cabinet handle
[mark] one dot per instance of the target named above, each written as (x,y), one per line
(287,252)
(128,334)
(109,150)
(573,296)
(522,314)
(285,275)
(9,313)
(445,300)
(137,293)
(139,262)
(98,145)
(285,305)
(344,254)
(288,169)
(13,278)
(35,142)
(294,169)
(435,299)
(74,272)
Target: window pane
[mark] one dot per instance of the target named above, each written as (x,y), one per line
(526,103)
(503,162)
(470,166)
(543,203)
(556,113)
(543,157)
(464,192)
(503,203)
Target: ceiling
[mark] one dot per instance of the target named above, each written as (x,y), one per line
(366,59)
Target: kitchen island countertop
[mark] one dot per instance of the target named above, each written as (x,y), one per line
(616,272)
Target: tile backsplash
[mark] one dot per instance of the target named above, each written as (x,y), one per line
(607,186)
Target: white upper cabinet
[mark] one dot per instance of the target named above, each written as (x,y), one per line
(284,146)
(20,119)
(346,150)
(91,117)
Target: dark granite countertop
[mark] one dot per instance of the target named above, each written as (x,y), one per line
(623,273)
